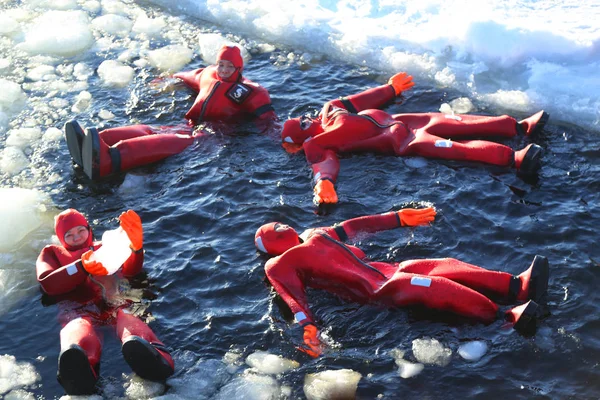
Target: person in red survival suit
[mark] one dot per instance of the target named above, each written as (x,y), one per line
(317,258)
(223,95)
(83,291)
(354,124)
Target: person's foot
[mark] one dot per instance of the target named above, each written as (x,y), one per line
(524,318)
(148,360)
(529,160)
(90,153)
(75,374)
(74,137)
(535,281)
(534,124)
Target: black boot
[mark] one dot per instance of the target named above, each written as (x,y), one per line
(90,154)
(75,374)
(74,137)
(145,360)
(529,160)
(525,317)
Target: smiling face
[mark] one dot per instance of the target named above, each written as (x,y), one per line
(77,236)
(225,69)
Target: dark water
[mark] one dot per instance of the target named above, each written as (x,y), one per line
(207,293)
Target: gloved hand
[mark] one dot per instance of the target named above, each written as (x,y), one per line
(416,216)
(325,192)
(131,223)
(313,346)
(401,82)
(162,84)
(91,266)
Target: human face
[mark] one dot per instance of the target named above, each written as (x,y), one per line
(225,68)
(305,122)
(77,236)
(279,227)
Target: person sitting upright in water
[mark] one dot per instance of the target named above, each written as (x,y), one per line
(318,258)
(224,94)
(355,124)
(88,299)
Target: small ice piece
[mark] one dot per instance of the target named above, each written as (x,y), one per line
(250,386)
(13,160)
(15,374)
(115,250)
(473,351)
(331,384)
(407,369)
(106,115)
(270,364)
(430,351)
(170,58)
(113,24)
(113,73)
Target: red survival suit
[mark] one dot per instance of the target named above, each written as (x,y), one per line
(234,99)
(82,302)
(354,124)
(322,261)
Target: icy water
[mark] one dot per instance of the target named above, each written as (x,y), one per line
(206,296)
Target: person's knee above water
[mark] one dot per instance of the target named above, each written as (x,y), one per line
(317,258)
(223,95)
(354,124)
(80,286)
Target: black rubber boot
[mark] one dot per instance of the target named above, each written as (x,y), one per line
(74,137)
(75,374)
(145,360)
(90,154)
(529,160)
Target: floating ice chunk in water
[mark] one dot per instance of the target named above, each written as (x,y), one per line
(138,388)
(20,211)
(211,43)
(106,115)
(170,58)
(82,72)
(55,4)
(23,137)
(330,384)
(82,102)
(132,184)
(473,351)
(148,26)
(415,162)
(41,72)
(113,73)
(63,33)
(13,160)
(250,387)
(15,374)
(12,97)
(8,25)
(430,351)
(52,135)
(406,369)
(272,364)
(113,24)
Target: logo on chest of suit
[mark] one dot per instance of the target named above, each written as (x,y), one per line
(239,92)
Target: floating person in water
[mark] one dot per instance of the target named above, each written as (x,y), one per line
(223,95)
(354,124)
(87,298)
(317,258)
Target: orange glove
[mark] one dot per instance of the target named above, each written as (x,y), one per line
(325,192)
(131,223)
(416,216)
(313,344)
(401,82)
(92,267)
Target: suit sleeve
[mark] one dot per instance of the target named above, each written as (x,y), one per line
(287,280)
(377,97)
(260,105)
(56,279)
(134,264)
(190,78)
(325,163)
(368,224)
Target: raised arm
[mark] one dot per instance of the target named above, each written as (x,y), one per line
(57,279)
(351,228)
(375,97)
